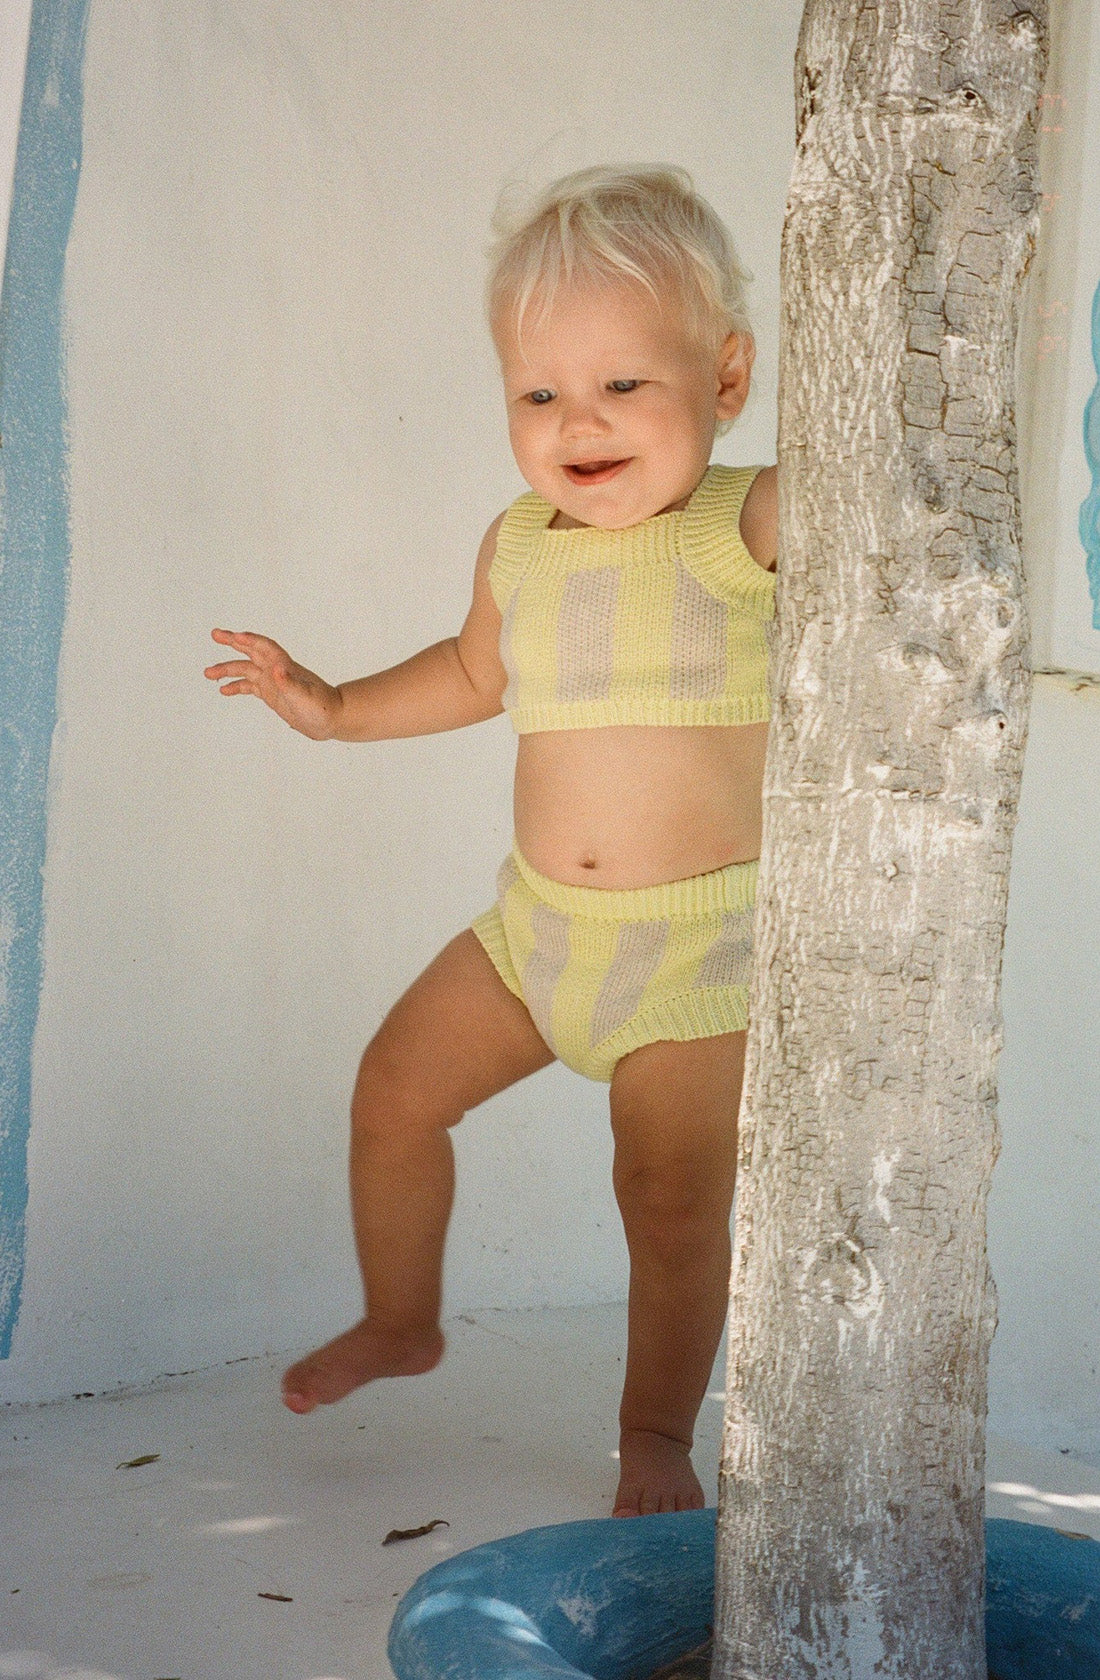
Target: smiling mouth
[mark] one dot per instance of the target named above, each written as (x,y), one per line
(593,472)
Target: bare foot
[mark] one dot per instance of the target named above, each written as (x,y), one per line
(655,1474)
(358,1356)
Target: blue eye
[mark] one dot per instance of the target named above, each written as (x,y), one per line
(625,384)
(540,396)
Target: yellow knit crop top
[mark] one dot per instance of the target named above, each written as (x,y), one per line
(661,623)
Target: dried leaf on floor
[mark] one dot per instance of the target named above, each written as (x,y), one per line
(413,1533)
(135,1463)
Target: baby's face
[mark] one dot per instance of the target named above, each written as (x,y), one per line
(612,404)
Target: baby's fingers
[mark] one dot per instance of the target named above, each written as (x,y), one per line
(238,675)
(261,649)
(232,668)
(231,638)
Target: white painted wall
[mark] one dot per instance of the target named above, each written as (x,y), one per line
(284,416)
(1044,1217)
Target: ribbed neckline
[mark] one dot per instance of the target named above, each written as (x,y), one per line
(705,536)
(670,516)
(717,555)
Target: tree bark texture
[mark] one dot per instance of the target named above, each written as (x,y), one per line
(850,1529)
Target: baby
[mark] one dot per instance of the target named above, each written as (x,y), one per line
(618,616)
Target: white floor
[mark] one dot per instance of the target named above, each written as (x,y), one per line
(157,1572)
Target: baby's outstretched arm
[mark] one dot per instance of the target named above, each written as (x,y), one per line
(447,685)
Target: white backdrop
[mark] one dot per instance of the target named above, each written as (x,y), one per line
(284,416)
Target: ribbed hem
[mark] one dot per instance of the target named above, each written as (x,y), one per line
(730,889)
(703,1014)
(640,709)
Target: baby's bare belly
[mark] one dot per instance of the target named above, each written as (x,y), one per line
(632,807)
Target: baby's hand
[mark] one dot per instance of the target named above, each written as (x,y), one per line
(305,701)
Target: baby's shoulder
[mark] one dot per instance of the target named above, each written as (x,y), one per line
(759,518)
(728,537)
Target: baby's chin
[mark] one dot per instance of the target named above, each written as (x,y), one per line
(607,499)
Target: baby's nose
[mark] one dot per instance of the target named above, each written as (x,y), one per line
(583,419)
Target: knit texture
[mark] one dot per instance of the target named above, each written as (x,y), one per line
(661,623)
(604,970)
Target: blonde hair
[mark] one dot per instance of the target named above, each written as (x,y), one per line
(600,225)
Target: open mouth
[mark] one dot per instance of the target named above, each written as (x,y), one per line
(593,472)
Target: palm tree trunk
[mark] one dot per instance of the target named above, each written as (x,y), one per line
(850,1527)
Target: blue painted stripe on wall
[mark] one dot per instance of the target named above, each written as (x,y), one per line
(1090,507)
(34,564)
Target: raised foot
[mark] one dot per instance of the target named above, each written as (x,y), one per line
(358,1356)
(655,1474)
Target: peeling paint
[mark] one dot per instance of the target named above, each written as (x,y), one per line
(34,562)
(855,1627)
(882,1171)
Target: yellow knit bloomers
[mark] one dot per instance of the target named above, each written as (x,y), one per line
(604,970)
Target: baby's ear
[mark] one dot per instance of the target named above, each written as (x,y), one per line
(735,360)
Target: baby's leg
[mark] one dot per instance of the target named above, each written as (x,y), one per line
(674,1116)
(456,1037)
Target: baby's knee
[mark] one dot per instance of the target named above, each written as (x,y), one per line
(392,1099)
(670,1210)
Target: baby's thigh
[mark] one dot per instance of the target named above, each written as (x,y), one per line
(674,1117)
(454,1039)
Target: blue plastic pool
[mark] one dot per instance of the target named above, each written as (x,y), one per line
(609,1600)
